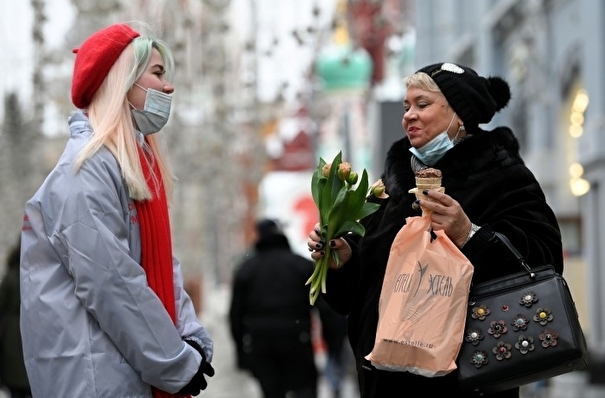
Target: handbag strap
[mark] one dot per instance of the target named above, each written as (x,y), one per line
(502,238)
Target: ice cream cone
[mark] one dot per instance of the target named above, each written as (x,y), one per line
(429,182)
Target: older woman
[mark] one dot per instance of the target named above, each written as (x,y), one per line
(487,188)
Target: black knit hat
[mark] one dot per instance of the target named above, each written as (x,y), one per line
(474,98)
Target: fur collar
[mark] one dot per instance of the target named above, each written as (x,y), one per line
(466,161)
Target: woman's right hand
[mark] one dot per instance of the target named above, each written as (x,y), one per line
(339,245)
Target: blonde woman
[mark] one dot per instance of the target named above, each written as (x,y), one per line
(104,311)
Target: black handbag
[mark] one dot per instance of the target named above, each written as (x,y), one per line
(520,329)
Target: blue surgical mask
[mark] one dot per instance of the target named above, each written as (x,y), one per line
(432,151)
(155,113)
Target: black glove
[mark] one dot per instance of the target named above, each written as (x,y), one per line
(198,382)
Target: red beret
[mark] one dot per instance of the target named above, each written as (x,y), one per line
(94,59)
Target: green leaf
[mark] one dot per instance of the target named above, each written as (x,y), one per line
(317,182)
(331,195)
(367,209)
(359,195)
(334,183)
(341,206)
(350,226)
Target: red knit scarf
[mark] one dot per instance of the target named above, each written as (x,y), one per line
(156,246)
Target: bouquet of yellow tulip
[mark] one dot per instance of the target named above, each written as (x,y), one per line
(340,206)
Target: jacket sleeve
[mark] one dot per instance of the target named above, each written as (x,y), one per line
(519,210)
(87,224)
(188,322)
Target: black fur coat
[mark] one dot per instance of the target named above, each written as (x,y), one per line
(487,176)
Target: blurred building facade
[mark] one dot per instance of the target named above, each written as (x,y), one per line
(207,139)
(229,113)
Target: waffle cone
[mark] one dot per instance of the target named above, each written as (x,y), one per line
(428,182)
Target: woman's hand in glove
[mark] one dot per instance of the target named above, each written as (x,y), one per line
(198,382)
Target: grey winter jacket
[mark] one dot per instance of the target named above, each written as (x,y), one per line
(91,326)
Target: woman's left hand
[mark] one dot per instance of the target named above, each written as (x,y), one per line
(447,215)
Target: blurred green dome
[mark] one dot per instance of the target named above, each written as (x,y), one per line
(342,67)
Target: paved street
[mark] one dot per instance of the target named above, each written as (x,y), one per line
(232,383)
(229,382)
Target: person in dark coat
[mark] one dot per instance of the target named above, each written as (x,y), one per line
(270,316)
(12,367)
(334,333)
(488,188)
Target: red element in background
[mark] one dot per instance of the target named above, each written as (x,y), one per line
(370,31)
(298,154)
(305,206)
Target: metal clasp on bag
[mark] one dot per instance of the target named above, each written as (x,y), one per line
(532,274)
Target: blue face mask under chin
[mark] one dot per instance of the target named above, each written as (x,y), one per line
(432,151)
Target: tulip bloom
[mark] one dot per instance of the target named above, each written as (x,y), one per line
(341,205)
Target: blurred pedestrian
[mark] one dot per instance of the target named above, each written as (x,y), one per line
(338,350)
(104,312)
(270,316)
(12,368)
